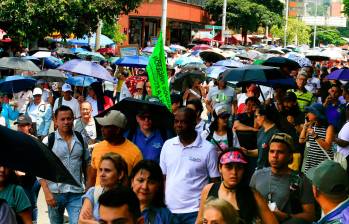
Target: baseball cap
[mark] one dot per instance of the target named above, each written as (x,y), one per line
(317,109)
(23,119)
(66,87)
(37,91)
(232,157)
(115,118)
(285,138)
(329,177)
(222,110)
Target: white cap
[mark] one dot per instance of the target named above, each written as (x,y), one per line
(66,87)
(37,91)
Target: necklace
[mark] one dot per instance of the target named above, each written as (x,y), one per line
(232,189)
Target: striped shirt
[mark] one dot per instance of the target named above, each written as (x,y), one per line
(315,155)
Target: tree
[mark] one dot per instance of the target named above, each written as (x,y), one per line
(297,31)
(246,15)
(114,32)
(35,19)
(329,35)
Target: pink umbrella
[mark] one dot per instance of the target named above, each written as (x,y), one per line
(201,47)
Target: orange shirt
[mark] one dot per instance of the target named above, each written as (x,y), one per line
(128,151)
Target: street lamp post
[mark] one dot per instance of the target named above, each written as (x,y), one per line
(164,20)
(314,41)
(286,23)
(224,18)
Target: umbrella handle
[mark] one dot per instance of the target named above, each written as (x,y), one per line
(260,90)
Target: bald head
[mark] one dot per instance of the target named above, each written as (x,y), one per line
(85,110)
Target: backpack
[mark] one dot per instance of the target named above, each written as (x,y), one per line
(51,142)
(60,101)
(7,215)
(296,187)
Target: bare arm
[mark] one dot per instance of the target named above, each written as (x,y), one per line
(26,216)
(263,210)
(238,126)
(327,142)
(209,106)
(86,213)
(91,177)
(204,194)
(50,200)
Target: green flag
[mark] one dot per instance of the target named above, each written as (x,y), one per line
(157,73)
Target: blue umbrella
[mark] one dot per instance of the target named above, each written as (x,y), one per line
(52,62)
(186,60)
(229,63)
(77,50)
(215,71)
(133,61)
(87,68)
(80,80)
(104,40)
(340,74)
(16,83)
(94,55)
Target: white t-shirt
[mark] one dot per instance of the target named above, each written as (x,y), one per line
(187,169)
(94,105)
(344,135)
(313,84)
(73,104)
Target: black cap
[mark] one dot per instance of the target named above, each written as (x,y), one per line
(23,119)
(290,96)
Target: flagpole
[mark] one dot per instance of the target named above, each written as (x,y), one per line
(164,21)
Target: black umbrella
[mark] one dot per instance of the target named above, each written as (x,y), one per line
(184,79)
(282,62)
(211,56)
(253,73)
(24,153)
(51,75)
(319,57)
(162,117)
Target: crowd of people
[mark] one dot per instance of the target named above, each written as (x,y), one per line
(231,156)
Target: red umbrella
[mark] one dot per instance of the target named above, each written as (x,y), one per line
(106,51)
(201,47)
(6,40)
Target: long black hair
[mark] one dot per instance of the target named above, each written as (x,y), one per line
(244,194)
(156,175)
(214,127)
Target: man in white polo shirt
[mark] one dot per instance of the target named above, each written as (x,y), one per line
(68,100)
(188,163)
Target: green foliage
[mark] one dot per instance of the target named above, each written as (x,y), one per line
(246,14)
(296,31)
(114,32)
(329,35)
(35,19)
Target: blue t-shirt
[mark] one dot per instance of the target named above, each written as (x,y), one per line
(150,146)
(336,115)
(159,216)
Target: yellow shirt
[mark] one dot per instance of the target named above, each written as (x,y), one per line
(128,151)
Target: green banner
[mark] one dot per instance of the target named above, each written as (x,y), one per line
(157,73)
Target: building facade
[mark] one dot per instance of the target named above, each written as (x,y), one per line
(143,26)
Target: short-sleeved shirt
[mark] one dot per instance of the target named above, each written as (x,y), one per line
(245,119)
(150,146)
(15,197)
(335,115)
(187,169)
(220,97)
(127,150)
(279,188)
(344,135)
(73,104)
(88,131)
(89,195)
(263,139)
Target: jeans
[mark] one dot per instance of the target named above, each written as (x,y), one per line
(70,201)
(187,218)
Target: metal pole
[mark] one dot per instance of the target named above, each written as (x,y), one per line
(314,41)
(286,21)
(224,18)
(164,20)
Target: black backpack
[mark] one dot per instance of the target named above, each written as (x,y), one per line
(51,142)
